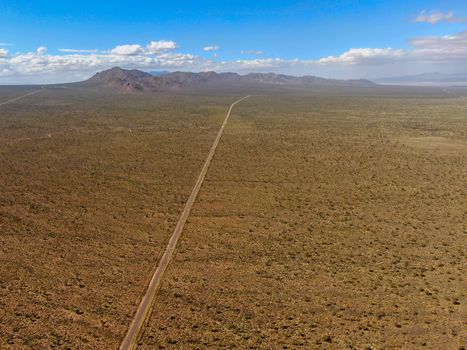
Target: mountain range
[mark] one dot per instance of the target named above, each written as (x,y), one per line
(426,79)
(136,80)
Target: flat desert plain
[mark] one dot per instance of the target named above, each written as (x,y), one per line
(328,220)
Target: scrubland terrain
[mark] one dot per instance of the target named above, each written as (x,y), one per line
(326,221)
(91,187)
(10,92)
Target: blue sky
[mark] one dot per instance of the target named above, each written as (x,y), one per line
(283,36)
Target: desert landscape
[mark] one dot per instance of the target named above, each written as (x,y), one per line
(330,218)
(329,228)
(263,175)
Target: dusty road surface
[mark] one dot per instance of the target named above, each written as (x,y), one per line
(144,308)
(19,97)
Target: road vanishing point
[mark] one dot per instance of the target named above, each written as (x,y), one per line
(131,339)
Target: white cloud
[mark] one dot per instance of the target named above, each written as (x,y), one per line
(441,53)
(156,47)
(77,51)
(253,65)
(41,50)
(211,48)
(435,17)
(365,56)
(33,64)
(127,50)
(251,52)
(441,48)
(153,48)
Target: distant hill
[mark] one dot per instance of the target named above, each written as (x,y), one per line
(427,79)
(117,78)
(135,80)
(159,73)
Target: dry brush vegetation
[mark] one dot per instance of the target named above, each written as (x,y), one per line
(321,226)
(326,220)
(91,186)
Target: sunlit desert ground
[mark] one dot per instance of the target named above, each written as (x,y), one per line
(328,220)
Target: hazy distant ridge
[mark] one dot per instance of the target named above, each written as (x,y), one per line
(434,79)
(135,80)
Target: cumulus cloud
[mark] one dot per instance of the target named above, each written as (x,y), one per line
(160,46)
(153,48)
(251,52)
(41,50)
(128,50)
(365,56)
(211,48)
(431,52)
(435,17)
(444,48)
(257,64)
(77,62)
(33,64)
(77,51)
